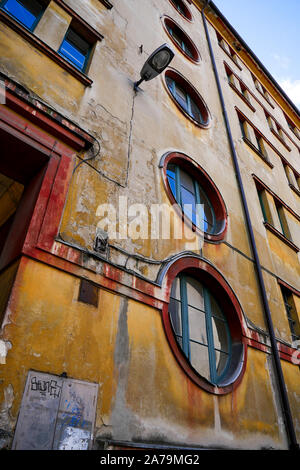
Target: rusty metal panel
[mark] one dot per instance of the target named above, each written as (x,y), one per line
(76,415)
(88,293)
(56,413)
(38,412)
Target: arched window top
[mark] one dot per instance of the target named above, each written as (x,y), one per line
(181,40)
(190,187)
(182,9)
(187,98)
(204,324)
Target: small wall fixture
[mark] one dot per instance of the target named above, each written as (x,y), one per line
(155,64)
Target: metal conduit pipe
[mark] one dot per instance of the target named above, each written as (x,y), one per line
(289,425)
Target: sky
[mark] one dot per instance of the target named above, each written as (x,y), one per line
(271,28)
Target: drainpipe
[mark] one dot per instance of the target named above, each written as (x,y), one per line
(293,445)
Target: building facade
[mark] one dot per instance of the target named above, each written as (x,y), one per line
(149,264)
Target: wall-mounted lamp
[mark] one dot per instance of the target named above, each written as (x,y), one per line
(155,64)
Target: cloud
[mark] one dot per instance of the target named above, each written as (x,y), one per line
(292,89)
(282,61)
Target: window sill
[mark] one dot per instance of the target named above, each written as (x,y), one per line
(261,155)
(40,45)
(227,53)
(281,236)
(237,91)
(297,191)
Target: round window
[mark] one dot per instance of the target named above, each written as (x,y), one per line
(200,328)
(204,325)
(189,186)
(181,40)
(187,98)
(182,9)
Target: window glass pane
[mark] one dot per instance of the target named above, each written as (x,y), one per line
(199,359)
(172,184)
(221,362)
(221,340)
(208,215)
(78,42)
(196,114)
(171,175)
(187,181)
(175,289)
(188,203)
(72,54)
(26,11)
(181,97)
(175,316)
(194,293)
(215,309)
(197,325)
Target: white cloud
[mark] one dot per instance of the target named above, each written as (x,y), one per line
(282,61)
(292,89)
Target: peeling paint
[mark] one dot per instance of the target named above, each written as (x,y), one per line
(5,346)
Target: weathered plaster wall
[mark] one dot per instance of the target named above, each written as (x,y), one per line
(49,330)
(143,393)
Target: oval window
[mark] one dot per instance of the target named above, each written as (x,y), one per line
(204,324)
(187,98)
(182,9)
(200,328)
(181,40)
(189,186)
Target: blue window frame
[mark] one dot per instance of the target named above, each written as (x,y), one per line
(200,328)
(185,100)
(26,12)
(192,198)
(75,49)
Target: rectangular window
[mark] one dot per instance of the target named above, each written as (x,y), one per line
(242,126)
(291,312)
(264,205)
(282,220)
(260,143)
(27,12)
(75,49)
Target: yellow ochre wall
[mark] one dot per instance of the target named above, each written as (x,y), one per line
(121,345)
(143,393)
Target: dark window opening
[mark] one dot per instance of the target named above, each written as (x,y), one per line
(26,12)
(182,9)
(187,98)
(75,49)
(181,40)
(291,313)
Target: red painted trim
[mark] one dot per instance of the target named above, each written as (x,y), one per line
(230,305)
(186,85)
(49,124)
(187,14)
(167,21)
(292,289)
(195,170)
